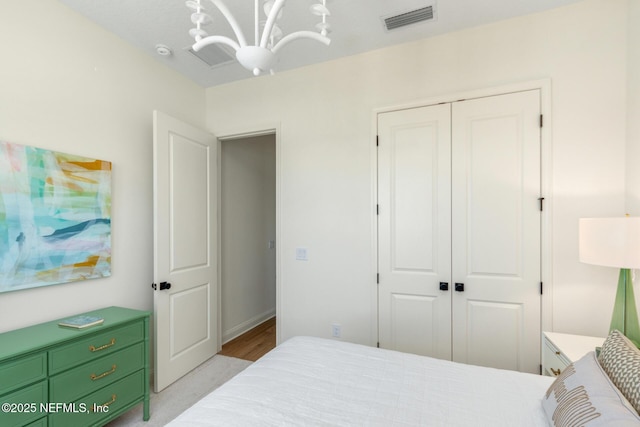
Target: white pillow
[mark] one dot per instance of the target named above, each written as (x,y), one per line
(583,395)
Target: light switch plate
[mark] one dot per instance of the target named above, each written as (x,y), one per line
(301,254)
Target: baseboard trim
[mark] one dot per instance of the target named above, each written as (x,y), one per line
(247,325)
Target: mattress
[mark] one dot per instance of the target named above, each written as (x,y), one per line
(318,382)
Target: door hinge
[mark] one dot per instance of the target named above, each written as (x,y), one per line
(378,344)
(377,140)
(377,209)
(541,288)
(540,369)
(541,120)
(378,278)
(541,200)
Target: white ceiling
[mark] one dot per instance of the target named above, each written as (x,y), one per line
(357,26)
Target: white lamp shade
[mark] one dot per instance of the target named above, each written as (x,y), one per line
(612,242)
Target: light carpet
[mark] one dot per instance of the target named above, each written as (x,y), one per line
(173,400)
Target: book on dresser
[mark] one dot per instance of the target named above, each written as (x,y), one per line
(80,322)
(78,376)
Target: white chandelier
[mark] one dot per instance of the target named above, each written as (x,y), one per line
(261,56)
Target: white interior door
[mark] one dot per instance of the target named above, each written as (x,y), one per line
(414,221)
(496,231)
(185,248)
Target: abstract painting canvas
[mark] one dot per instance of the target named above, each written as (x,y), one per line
(55,217)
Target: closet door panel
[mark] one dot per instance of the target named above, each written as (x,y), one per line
(494,196)
(414,230)
(407,311)
(504,320)
(496,231)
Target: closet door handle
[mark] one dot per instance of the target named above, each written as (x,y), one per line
(444,286)
(459,287)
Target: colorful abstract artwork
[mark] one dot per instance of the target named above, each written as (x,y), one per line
(55,217)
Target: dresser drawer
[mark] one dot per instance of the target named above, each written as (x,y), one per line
(554,361)
(42,422)
(72,384)
(98,345)
(117,396)
(18,373)
(24,405)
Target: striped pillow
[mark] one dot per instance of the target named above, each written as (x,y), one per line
(620,359)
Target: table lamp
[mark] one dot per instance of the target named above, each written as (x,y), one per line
(615,242)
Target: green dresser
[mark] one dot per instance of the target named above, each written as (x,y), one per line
(57,376)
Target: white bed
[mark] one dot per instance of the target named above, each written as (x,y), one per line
(317,382)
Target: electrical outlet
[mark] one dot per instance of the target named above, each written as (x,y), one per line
(335,330)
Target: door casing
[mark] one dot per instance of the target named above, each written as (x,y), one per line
(242,133)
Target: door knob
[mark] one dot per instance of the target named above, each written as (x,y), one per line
(459,287)
(444,286)
(163,286)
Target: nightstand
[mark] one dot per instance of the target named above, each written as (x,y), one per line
(560,350)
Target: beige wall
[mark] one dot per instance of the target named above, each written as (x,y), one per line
(248,223)
(326,117)
(67,85)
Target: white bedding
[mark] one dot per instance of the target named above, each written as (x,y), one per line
(318,382)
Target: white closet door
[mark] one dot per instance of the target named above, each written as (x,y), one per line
(496,231)
(415,230)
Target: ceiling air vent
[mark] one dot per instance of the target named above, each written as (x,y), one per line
(214,55)
(408,18)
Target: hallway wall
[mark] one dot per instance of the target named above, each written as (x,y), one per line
(248,217)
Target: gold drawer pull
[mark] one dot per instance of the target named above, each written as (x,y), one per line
(555,372)
(104,374)
(113,399)
(93,348)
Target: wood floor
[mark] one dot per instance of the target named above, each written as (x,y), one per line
(253,344)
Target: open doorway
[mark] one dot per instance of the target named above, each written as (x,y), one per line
(248,236)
